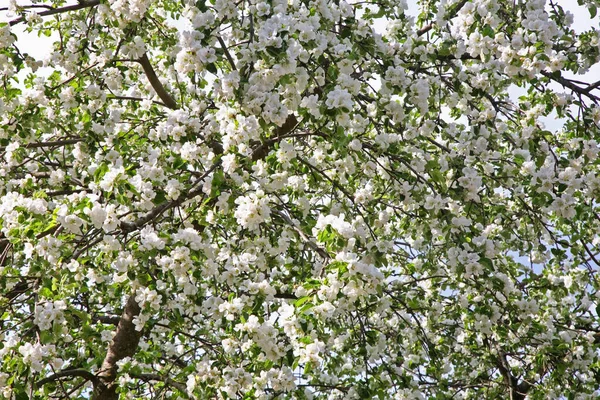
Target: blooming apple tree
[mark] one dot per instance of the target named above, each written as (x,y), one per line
(299,199)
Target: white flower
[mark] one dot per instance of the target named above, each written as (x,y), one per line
(173,189)
(339,98)
(97,214)
(252,210)
(110,177)
(337,222)
(6,40)
(229,163)
(150,239)
(312,104)
(107,335)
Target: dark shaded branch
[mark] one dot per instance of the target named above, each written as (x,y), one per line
(262,150)
(227,54)
(87,375)
(451,14)
(166,380)
(158,210)
(106,319)
(570,85)
(285,295)
(587,250)
(518,391)
(156,84)
(17,290)
(592,86)
(123,345)
(80,5)
(55,143)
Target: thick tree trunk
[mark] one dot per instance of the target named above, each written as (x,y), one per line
(124,344)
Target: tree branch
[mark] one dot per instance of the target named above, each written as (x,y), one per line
(106,319)
(259,153)
(570,85)
(309,242)
(87,375)
(158,210)
(227,54)
(263,149)
(80,5)
(517,390)
(55,143)
(156,84)
(451,14)
(123,345)
(167,381)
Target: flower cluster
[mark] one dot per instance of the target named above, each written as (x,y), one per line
(304,200)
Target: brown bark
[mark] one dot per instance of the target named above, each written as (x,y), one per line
(517,391)
(156,84)
(80,5)
(124,345)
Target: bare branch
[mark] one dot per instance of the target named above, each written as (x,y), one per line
(592,86)
(80,5)
(123,345)
(451,14)
(87,375)
(156,84)
(309,242)
(227,54)
(168,381)
(570,85)
(55,143)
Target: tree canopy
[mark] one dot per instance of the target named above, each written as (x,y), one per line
(299,199)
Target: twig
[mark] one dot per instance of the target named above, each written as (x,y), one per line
(74,77)
(158,210)
(87,375)
(570,85)
(321,251)
(168,381)
(80,5)
(227,54)
(134,99)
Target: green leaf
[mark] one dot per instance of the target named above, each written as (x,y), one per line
(45,292)
(212,68)
(593,10)
(301,301)
(306,308)
(487,263)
